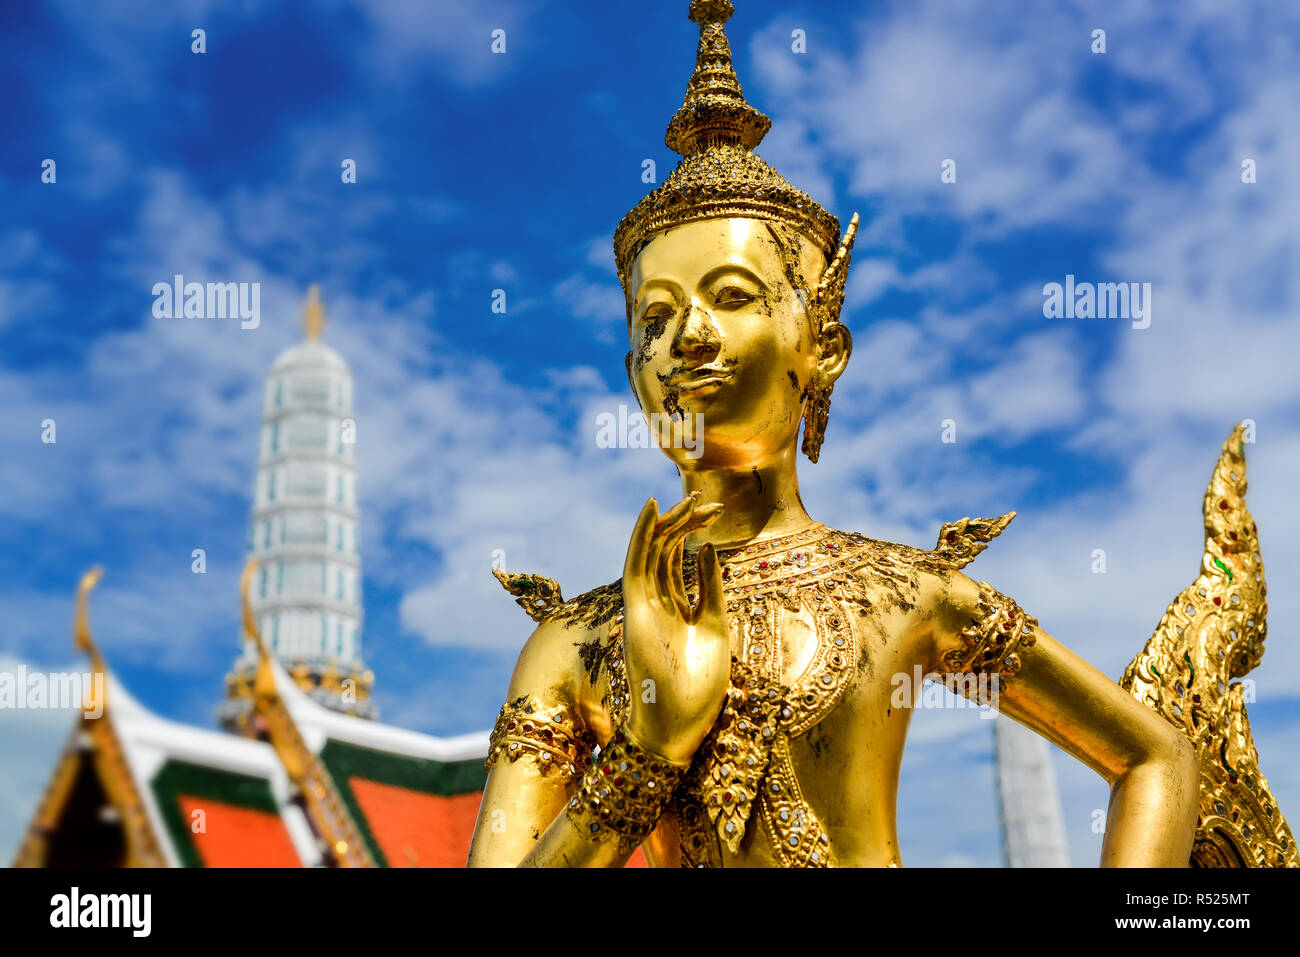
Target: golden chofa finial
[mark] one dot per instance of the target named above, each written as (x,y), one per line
(251,631)
(313,313)
(82,638)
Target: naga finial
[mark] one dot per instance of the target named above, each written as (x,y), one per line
(264,682)
(83,640)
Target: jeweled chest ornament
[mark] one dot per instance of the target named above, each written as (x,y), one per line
(744,771)
(743,776)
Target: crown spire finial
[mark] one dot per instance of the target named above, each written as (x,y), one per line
(313,313)
(711,11)
(719,174)
(714,111)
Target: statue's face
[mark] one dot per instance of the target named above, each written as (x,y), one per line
(719,335)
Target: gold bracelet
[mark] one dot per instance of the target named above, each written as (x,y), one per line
(624,792)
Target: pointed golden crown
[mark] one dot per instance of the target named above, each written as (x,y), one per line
(719,174)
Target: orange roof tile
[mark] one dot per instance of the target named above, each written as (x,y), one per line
(414,829)
(238,836)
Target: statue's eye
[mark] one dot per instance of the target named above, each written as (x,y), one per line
(732,296)
(656,311)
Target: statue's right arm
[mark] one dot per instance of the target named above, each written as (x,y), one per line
(522,820)
(544,805)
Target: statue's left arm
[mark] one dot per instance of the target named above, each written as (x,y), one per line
(1151,768)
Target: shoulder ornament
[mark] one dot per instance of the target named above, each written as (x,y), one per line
(539,597)
(543,601)
(960,541)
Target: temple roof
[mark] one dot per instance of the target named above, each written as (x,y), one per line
(413,797)
(312,787)
(210,799)
(317,724)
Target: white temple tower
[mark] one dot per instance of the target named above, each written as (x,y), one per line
(1033,827)
(304,531)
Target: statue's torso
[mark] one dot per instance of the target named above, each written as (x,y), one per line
(821,623)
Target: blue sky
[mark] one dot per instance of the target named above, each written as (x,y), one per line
(479,171)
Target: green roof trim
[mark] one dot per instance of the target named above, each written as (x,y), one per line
(345,761)
(178,777)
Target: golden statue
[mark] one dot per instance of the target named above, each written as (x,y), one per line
(738,677)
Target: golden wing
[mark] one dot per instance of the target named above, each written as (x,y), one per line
(1211,634)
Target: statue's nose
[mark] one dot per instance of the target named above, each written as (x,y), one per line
(698,337)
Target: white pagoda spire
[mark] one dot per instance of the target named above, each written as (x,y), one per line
(304,530)
(1033,827)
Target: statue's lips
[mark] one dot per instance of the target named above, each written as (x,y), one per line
(699,378)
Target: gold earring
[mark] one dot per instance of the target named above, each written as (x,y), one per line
(816,414)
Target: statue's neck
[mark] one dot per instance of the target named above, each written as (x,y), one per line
(761,499)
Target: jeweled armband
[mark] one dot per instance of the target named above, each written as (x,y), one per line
(991,643)
(623,793)
(552,737)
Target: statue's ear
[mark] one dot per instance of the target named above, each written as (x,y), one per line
(835,343)
(835,346)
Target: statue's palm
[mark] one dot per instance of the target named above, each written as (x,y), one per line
(678,655)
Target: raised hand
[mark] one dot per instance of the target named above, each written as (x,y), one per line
(678,655)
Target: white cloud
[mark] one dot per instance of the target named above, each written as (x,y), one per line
(602,303)
(407,36)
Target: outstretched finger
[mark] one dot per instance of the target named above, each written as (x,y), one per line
(638,546)
(676,587)
(711,602)
(660,547)
(670,572)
